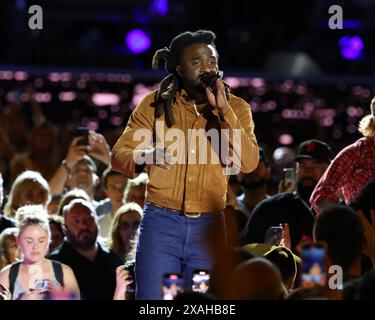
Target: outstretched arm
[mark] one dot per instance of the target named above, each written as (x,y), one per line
(75,153)
(334,178)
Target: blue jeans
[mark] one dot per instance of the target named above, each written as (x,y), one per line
(170,243)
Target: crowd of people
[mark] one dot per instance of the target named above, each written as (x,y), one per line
(101,222)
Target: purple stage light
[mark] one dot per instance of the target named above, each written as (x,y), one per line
(351,47)
(233,82)
(54,77)
(6,75)
(21,75)
(353,24)
(116,121)
(43,96)
(20,5)
(39,83)
(105,99)
(159,7)
(93,124)
(67,96)
(137,41)
(286,139)
(102,114)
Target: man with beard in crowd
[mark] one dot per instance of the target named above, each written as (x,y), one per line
(312,160)
(94,265)
(254,185)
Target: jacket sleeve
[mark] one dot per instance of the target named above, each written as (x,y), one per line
(333,179)
(136,136)
(243,142)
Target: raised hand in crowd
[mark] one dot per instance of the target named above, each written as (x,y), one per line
(285,186)
(285,239)
(123,279)
(75,152)
(98,147)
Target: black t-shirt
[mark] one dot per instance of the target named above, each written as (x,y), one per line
(6,223)
(96,280)
(287,207)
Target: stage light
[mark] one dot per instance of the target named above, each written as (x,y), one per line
(286,139)
(137,41)
(20,5)
(21,75)
(105,99)
(39,83)
(93,124)
(67,96)
(43,97)
(6,75)
(159,7)
(102,114)
(116,121)
(81,84)
(351,47)
(54,77)
(353,24)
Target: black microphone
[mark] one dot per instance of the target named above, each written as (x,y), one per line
(208,79)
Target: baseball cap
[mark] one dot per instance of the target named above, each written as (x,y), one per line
(314,149)
(267,250)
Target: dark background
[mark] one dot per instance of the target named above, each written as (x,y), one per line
(90,33)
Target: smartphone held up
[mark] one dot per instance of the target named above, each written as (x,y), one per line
(290,179)
(313,266)
(173,283)
(274,235)
(201,279)
(82,132)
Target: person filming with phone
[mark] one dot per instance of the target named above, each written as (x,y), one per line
(35,277)
(313,158)
(71,173)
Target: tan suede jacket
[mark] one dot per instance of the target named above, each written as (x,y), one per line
(192,184)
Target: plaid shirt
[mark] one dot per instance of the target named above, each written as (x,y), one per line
(349,172)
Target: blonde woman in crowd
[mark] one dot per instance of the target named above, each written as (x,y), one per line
(124,231)
(135,189)
(123,241)
(35,277)
(29,188)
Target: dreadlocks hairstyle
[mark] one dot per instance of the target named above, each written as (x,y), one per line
(170,85)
